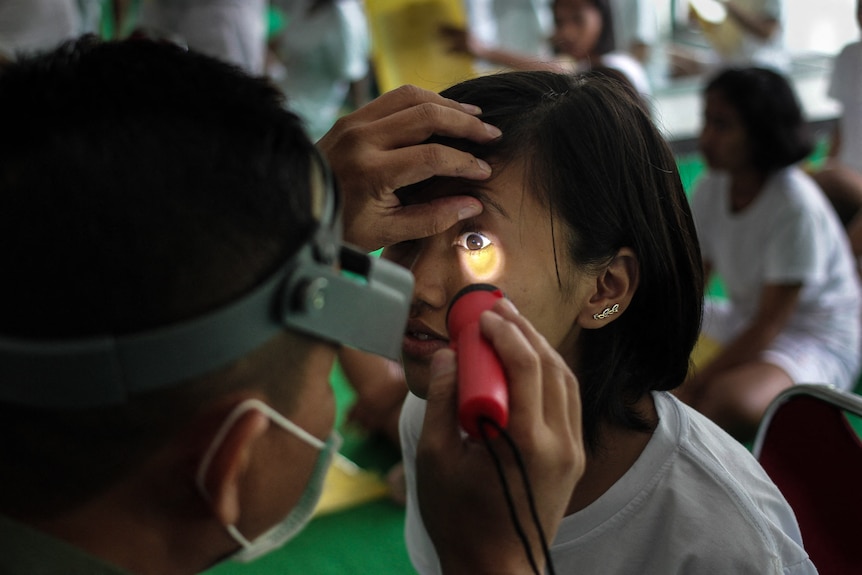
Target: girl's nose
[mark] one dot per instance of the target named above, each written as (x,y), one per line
(432,275)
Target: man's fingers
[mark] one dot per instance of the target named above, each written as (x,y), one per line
(386,127)
(403,98)
(427,119)
(521,364)
(405,166)
(560,388)
(428,219)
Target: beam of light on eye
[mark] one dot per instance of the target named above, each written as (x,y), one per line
(483,265)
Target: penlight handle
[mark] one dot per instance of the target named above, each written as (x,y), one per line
(482,387)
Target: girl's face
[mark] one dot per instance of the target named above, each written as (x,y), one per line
(512,245)
(577,27)
(723,139)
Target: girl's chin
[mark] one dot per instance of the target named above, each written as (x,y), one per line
(418,377)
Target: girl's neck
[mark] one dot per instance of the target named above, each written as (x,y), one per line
(621,447)
(745,185)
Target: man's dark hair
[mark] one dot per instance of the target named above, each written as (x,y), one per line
(140,185)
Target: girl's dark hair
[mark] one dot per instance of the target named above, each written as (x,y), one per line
(771,113)
(606,42)
(598,163)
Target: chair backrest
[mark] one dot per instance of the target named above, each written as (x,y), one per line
(811,451)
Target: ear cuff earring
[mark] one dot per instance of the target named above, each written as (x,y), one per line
(609,311)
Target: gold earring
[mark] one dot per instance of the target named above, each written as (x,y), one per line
(608,311)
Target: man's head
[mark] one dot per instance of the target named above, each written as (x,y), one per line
(156,199)
(141,186)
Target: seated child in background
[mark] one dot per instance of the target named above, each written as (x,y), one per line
(792,313)
(588,232)
(583,39)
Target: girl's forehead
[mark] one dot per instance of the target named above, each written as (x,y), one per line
(503,194)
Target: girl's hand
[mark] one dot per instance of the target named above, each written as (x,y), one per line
(460,493)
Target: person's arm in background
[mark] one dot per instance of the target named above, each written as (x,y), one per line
(764,26)
(461,41)
(381,147)
(777,304)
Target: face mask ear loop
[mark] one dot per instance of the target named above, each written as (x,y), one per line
(227,424)
(239,537)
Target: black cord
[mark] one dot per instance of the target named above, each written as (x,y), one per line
(522,468)
(508,492)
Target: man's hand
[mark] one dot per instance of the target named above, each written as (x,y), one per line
(381,147)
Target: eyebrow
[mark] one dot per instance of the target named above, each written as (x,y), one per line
(425,191)
(480,193)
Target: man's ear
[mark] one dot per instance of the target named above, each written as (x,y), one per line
(230,460)
(615,286)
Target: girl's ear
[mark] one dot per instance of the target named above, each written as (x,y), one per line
(615,287)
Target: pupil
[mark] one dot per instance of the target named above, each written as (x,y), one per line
(474,242)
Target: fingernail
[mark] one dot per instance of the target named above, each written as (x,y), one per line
(484,165)
(470,108)
(442,363)
(507,303)
(493,131)
(469,211)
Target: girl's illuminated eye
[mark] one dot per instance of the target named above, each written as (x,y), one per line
(473,241)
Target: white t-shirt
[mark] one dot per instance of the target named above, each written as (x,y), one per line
(789,234)
(631,69)
(695,501)
(34,25)
(520,26)
(634,21)
(624,63)
(231,30)
(321,53)
(846,88)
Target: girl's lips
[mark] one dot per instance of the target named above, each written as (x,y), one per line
(420,342)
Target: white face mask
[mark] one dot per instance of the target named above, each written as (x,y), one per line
(301,514)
